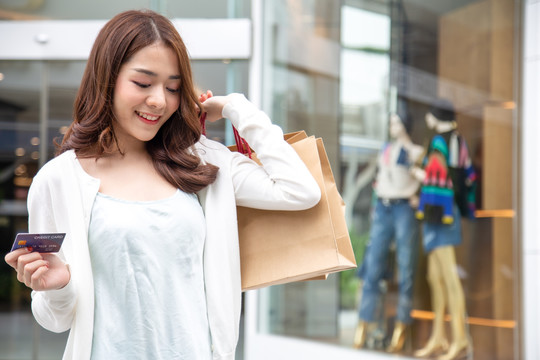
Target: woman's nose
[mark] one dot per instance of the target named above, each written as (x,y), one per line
(156,99)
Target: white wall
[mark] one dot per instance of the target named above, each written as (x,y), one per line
(530,181)
(73,39)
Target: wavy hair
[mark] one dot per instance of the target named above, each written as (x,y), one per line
(91,133)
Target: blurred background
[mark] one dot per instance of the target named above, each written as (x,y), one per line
(335,69)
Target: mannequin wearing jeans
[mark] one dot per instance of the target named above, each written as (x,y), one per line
(393,219)
(439,241)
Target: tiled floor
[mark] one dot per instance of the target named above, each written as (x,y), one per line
(21,338)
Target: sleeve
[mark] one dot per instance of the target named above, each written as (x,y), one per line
(283,182)
(429,150)
(52,309)
(465,161)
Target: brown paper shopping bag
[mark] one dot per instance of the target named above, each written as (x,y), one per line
(278,247)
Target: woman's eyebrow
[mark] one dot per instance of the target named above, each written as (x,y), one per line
(151,73)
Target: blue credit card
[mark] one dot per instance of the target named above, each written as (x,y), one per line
(43,243)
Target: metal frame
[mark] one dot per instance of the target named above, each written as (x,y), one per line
(529,180)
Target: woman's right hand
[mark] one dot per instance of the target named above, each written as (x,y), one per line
(213,105)
(39,271)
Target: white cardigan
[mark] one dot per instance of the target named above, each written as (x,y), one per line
(61,198)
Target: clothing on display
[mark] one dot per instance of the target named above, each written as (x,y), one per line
(450,178)
(393,220)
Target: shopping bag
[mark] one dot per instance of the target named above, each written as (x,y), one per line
(278,247)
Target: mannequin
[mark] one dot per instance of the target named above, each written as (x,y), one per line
(393,219)
(439,240)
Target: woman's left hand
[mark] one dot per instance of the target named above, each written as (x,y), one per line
(213,105)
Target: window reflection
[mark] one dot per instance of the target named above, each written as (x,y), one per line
(397,57)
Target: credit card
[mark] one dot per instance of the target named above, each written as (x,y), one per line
(43,243)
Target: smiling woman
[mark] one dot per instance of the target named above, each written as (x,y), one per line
(147,53)
(148,205)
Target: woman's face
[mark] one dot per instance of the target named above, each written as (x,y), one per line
(146,94)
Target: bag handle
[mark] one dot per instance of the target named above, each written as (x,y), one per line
(241,144)
(202,119)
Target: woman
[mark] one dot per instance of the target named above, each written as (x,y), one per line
(150,264)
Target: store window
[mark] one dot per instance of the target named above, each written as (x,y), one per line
(455,60)
(300,87)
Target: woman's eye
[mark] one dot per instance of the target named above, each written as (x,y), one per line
(174,91)
(144,86)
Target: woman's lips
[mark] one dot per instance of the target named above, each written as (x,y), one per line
(148,118)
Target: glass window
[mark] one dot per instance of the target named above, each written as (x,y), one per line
(222,77)
(365,58)
(104,9)
(66,10)
(301,92)
(401,58)
(208,9)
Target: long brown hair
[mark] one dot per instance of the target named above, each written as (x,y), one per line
(91,134)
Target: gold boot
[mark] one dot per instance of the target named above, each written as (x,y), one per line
(433,347)
(457,350)
(360,334)
(398,338)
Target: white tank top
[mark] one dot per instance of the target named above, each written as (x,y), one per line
(394,178)
(147,263)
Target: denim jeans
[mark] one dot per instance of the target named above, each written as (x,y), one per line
(391,221)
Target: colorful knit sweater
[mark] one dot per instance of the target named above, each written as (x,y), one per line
(450,179)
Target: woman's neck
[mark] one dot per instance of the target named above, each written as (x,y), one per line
(131,148)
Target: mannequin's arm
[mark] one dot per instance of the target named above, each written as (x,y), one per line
(418,173)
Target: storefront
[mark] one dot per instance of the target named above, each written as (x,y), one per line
(336,69)
(399,56)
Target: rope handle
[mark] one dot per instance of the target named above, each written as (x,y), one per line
(241,144)
(202,119)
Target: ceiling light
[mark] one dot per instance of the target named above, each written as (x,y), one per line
(20,151)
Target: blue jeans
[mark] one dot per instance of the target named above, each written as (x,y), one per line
(391,221)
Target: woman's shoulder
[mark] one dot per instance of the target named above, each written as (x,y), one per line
(210,150)
(56,167)
(60,160)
